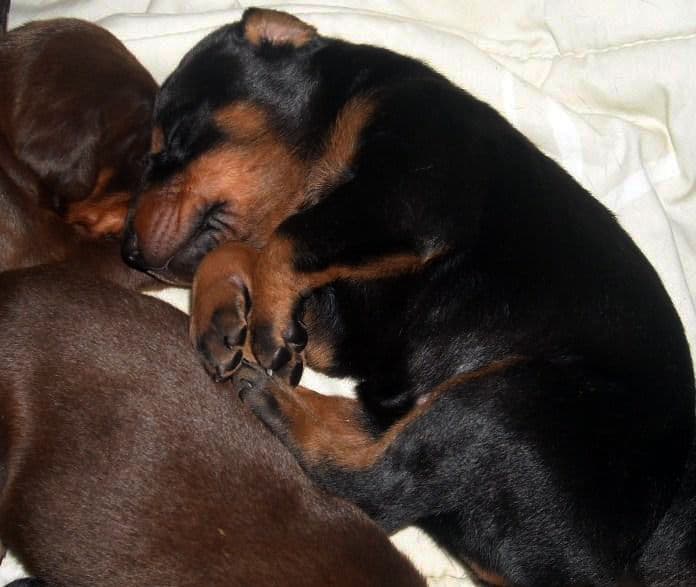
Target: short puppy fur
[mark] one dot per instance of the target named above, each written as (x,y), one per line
(75,111)
(526,392)
(122,463)
(31,234)
(74,134)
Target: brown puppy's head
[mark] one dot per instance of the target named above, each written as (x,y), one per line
(229,158)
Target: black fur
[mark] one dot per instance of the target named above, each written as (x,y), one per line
(556,471)
(4,14)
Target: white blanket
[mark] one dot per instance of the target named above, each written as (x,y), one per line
(606,87)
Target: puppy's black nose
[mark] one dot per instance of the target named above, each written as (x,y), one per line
(131,253)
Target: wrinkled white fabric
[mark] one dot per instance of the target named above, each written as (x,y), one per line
(605,87)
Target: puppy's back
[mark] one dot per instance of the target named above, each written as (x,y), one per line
(124,464)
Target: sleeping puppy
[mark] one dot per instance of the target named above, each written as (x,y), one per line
(31,234)
(75,112)
(74,132)
(122,463)
(526,393)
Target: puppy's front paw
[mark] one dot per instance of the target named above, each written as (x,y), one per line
(219,328)
(220,345)
(221,302)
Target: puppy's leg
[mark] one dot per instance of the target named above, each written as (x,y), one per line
(220,305)
(340,238)
(398,476)
(27,582)
(359,232)
(530,471)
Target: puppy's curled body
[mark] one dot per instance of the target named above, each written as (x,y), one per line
(122,463)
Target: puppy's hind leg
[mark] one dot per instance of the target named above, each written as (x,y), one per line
(541,472)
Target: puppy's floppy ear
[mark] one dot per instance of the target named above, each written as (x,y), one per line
(277,28)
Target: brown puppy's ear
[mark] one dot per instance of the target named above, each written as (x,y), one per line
(277,28)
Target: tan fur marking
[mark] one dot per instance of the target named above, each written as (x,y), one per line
(341,147)
(387,266)
(243,121)
(319,421)
(488,577)
(221,289)
(278,285)
(319,353)
(328,428)
(276,289)
(101,217)
(277,28)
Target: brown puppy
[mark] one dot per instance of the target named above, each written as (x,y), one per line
(75,112)
(33,235)
(122,463)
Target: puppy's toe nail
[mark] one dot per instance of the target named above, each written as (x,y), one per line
(234,363)
(280,358)
(296,374)
(235,341)
(296,336)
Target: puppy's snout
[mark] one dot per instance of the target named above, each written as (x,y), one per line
(130,252)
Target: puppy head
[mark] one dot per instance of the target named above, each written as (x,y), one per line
(226,159)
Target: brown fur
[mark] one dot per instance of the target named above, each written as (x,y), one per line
(74,116)
(253,169)
(121,464)
(101,217)
(74,130)
(33,235)
(278,286)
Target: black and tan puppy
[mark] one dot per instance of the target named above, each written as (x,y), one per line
(122,463)
(526,392)
(75,111)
